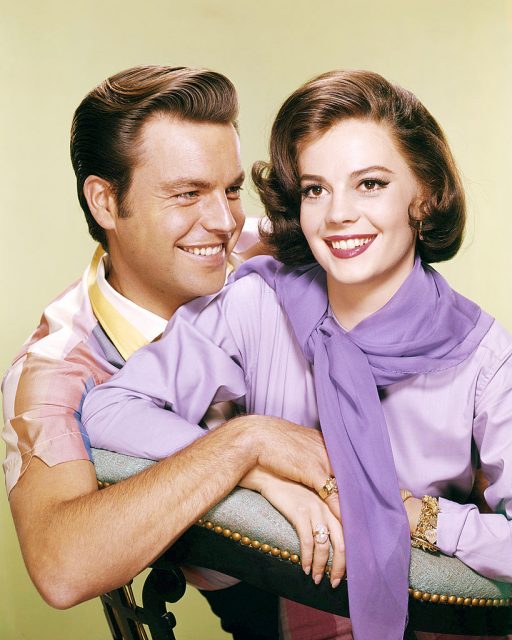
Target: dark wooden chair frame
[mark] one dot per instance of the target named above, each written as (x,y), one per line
(200,546)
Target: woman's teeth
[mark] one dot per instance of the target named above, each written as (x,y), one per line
(352,243)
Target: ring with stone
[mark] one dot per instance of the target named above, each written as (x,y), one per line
(321,533)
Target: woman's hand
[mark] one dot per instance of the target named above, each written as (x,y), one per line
(305,510)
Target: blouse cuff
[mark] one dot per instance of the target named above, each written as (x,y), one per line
(450,522)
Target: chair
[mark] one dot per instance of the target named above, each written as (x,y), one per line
(244,536)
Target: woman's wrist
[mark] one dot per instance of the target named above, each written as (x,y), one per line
(422,516)
(413,509)
(261,480)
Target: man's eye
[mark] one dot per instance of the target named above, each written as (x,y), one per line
(233,193)
(312,191)
(188,195)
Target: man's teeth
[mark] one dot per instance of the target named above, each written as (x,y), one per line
(204,251)
(350,244)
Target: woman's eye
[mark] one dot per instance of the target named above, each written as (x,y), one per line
(373,184)
(313,191)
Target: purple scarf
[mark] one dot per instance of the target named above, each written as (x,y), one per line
(425,327)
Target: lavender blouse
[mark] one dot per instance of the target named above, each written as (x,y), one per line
(238,346)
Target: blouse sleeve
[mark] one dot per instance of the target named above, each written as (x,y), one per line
(155,404)
(484,541)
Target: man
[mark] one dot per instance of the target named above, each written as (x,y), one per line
(156,156)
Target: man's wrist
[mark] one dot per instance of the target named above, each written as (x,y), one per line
(246,432)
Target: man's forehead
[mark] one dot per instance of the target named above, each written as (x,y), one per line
(184,151)
(166,127)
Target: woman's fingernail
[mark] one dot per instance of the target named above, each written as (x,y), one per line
(317,579)
(307,570)
(335,583)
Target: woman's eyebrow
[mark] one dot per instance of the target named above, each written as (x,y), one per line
(309,176)
(375,167)
(354,174)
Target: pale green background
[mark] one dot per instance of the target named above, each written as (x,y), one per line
(455,54)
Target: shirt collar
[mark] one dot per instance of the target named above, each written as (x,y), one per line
(128,325)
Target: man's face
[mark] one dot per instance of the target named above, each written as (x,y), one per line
(184,214)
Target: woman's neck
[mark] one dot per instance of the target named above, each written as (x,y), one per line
(353,302)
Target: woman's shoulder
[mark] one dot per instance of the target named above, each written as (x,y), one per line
(494,356)
(497,342)
(250,291)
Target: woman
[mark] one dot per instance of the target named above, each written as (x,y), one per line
(411,381)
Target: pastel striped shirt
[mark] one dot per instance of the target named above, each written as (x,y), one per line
(84,337)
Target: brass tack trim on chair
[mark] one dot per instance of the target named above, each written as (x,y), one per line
(424,596)
(417,594)
(435,598)
(246,541)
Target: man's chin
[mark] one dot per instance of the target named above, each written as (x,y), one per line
(212,285)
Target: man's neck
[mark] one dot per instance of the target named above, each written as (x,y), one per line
(138,294)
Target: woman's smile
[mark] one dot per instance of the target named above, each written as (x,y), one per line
(349,246)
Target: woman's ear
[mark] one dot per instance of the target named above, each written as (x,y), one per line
(101,201)
(417,214)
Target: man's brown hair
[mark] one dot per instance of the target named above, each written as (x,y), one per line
(323,102)
(106,126)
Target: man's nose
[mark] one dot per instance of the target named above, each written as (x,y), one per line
(219,216)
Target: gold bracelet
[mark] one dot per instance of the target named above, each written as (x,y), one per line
(405,494)
(425,534)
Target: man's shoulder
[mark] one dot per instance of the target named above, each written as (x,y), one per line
(65,322)
(61,351)
(44,388)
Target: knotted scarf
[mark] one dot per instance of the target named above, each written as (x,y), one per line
(425,327)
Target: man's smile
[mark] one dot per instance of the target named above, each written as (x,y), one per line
(204,250)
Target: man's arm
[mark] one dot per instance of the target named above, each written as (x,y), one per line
(78,542)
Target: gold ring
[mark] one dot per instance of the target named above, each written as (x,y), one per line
(330,487)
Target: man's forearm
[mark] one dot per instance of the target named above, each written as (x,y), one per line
(78,542)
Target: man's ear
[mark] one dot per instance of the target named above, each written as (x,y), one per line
(101,201)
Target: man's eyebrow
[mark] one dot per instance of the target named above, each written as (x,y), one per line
(188,184)
(239,179)
(192,184)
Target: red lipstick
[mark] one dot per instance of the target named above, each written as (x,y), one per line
(339,249)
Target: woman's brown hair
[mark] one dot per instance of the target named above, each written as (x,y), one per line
(108,121)
(321,103)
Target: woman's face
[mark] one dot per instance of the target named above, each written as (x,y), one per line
(357,190)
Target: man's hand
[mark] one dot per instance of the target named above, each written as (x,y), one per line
(291,451)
